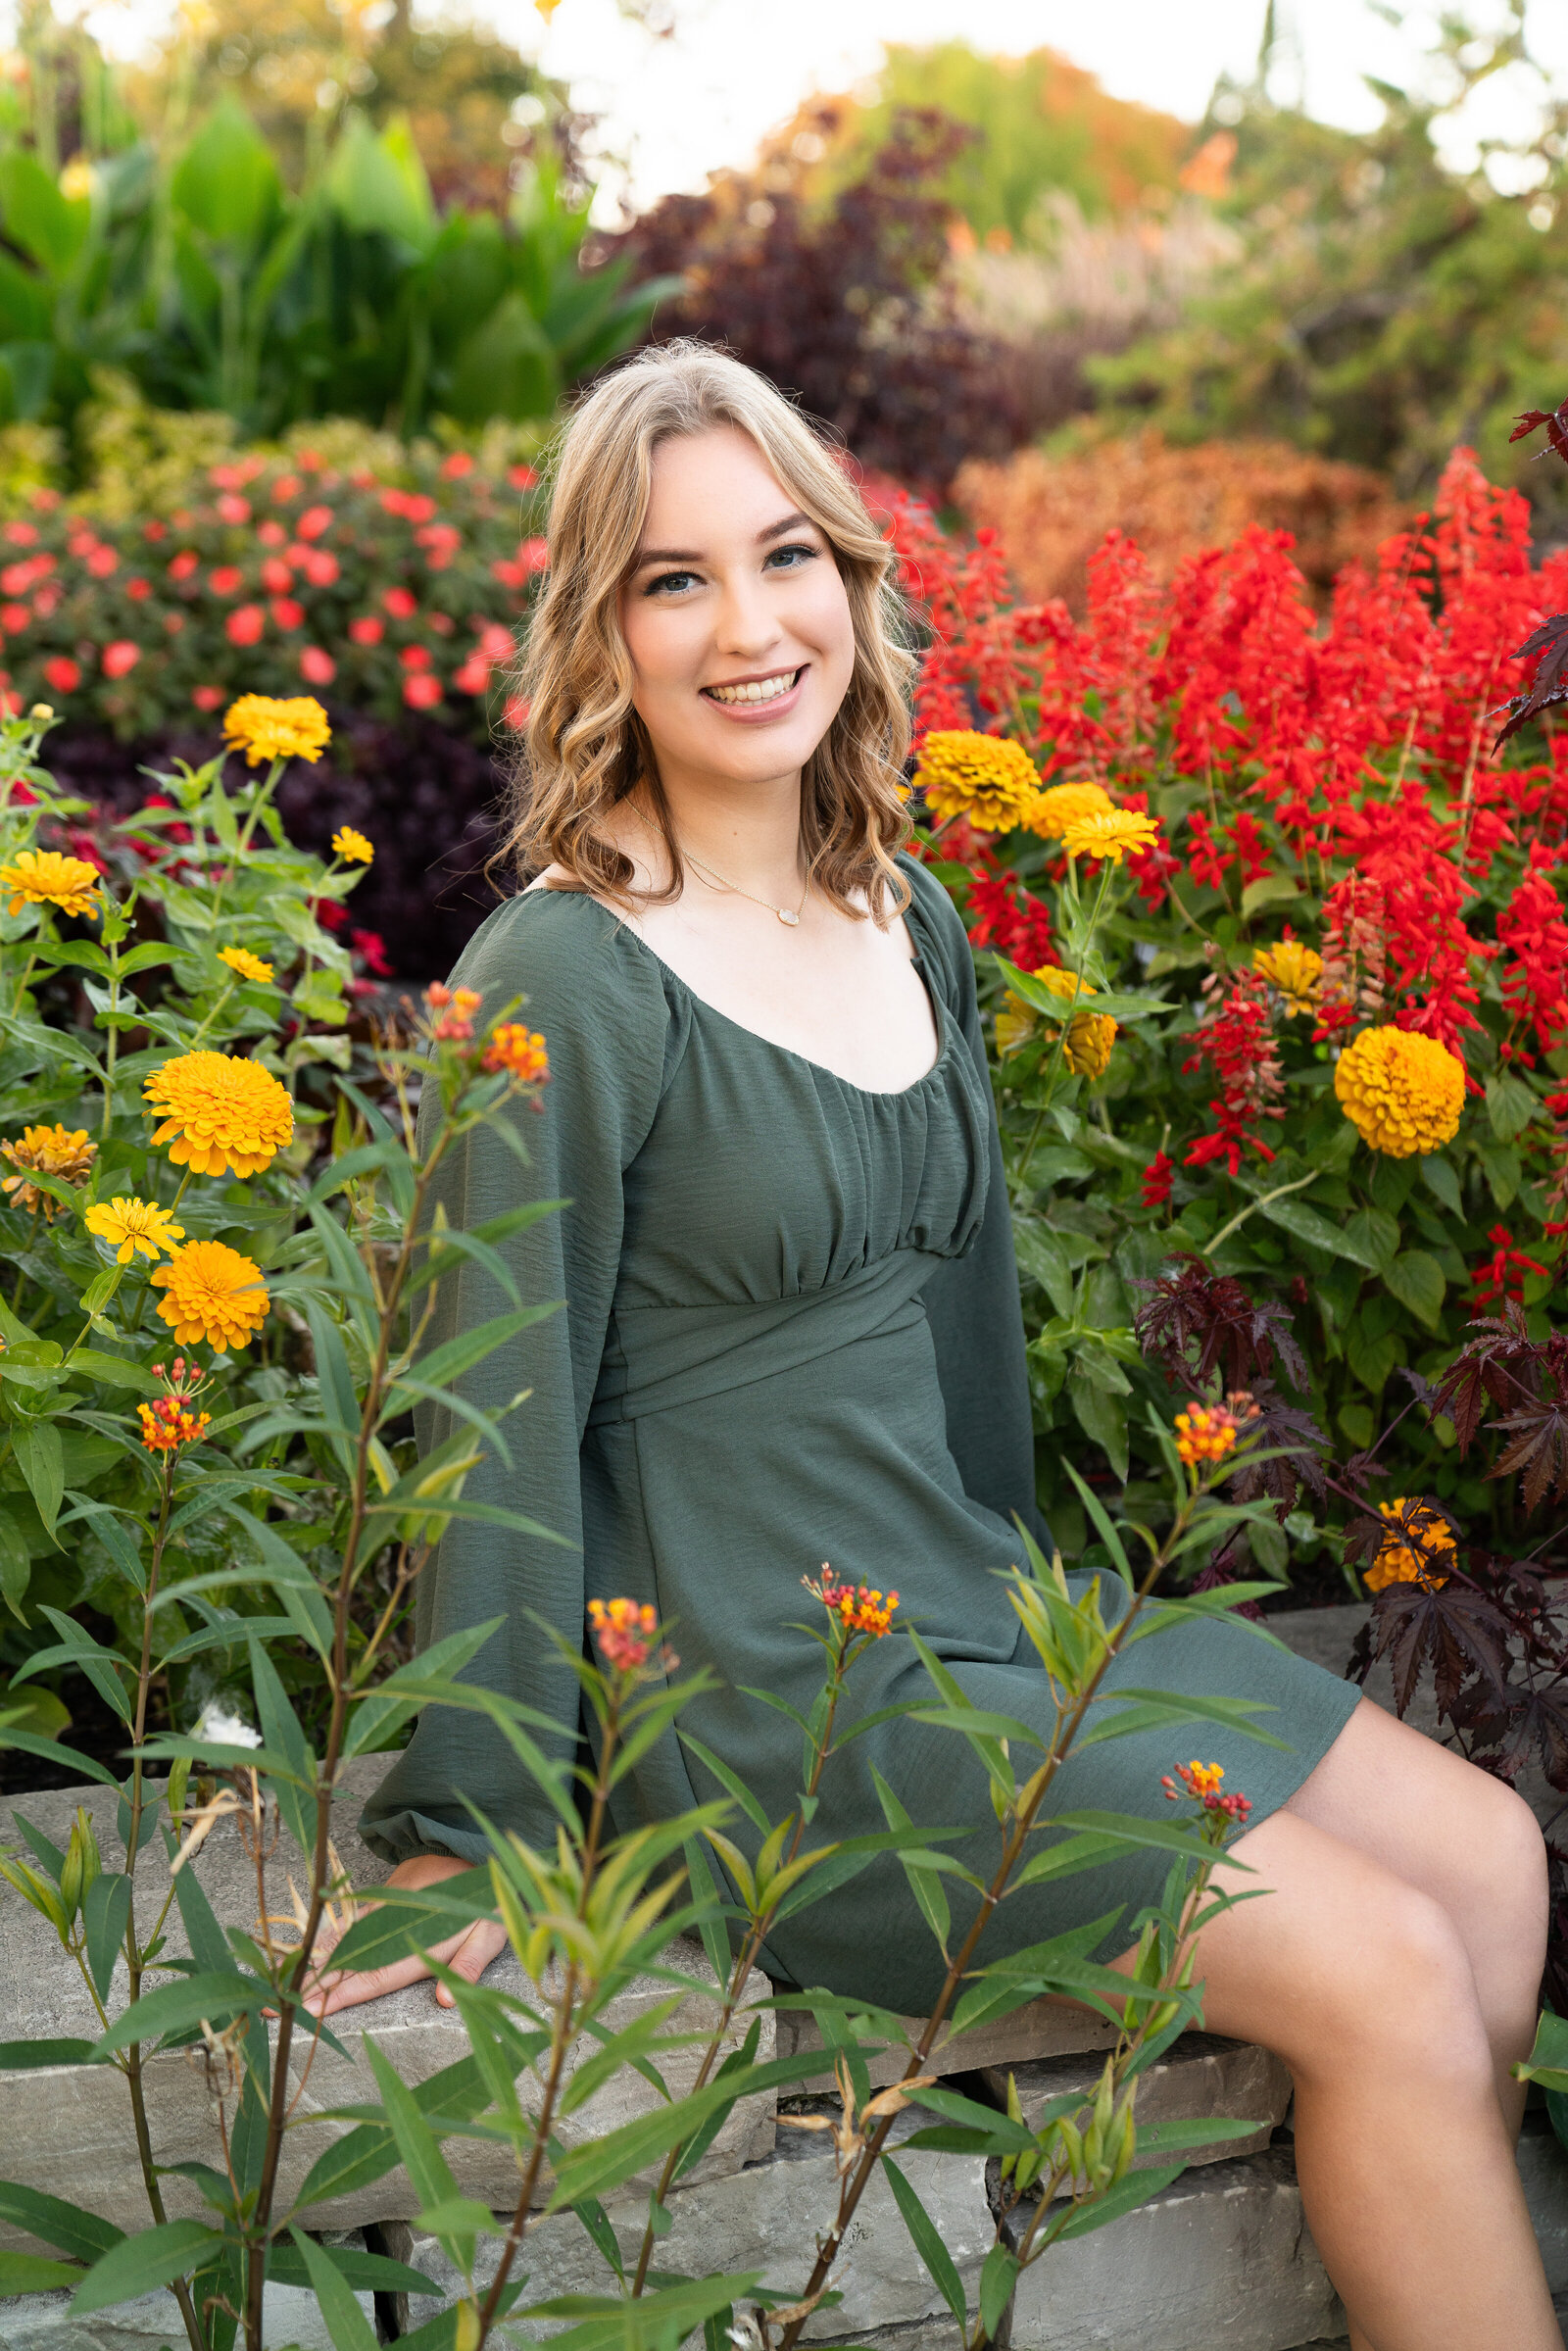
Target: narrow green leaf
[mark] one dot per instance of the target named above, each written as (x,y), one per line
(35,2272)
(75,2231)
(346,2321)
(996,2281)
(138,2263)
(927,2241)
(730,1781)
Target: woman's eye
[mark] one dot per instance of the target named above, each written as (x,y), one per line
(790,558)
(674,582)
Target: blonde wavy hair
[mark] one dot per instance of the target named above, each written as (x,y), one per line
(585,748)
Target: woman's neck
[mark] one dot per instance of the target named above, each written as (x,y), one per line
(749,834)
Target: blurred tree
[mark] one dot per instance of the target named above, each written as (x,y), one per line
(846,303)
(1044,129)
(472,101)
(1382,307)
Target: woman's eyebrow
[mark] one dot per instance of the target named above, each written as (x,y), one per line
(693,555)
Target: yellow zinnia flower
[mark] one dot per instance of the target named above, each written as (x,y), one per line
(248,966)
(1408,1554)
(1063,803)
(264,728)
(1124,832)
(42,877)
(346,843)
(62,1152)
(133,1227)
(1402,1093)
(1294,970)
(221,1113)
(1090,1035)
(213,1293)
(991,781)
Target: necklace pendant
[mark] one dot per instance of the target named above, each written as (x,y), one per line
(785,916)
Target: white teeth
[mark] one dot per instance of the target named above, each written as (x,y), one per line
(768,689)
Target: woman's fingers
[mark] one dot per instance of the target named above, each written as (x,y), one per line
(485,1941)
(328,1992)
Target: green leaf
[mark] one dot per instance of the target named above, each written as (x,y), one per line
(1369,1238)
(114,1370)
(446,1363)
(1295,1217)
(1511,1105)
(996,2281)
(40,2056)
(927,2241)
(1442,1179)
(178,2006)
(138,2263)
(35,2272)
(227,182)
(47,226)
(1269,890)
(729,1781)
(422,2159)
(40,1457)
(1042,1258)
(1101,1417)
(15,1568)
(78,2233)
(365,2273)
(106,1913)
(346,2321)
(1417,1281)
(1135,2188)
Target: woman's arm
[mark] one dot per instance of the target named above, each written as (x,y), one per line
(600,1002)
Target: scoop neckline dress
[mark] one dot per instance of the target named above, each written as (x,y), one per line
(791,1335)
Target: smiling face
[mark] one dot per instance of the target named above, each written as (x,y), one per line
(735,617)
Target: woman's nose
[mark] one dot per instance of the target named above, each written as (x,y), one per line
(746,623)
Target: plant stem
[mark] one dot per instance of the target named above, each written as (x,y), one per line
(1240,1218)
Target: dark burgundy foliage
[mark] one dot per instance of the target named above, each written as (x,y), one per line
(1528,1380)
(1550,640)
(426,798)
(1455,1629)
(844,304)
(1196,1323)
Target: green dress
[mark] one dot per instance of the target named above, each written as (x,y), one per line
(792,1333)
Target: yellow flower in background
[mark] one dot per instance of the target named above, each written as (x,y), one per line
(1124,832)
(1402,1093)
(62,1152)
(991,781)
(519,1050)
(264,728)
(1408,1552)
(1061,805)
(213,1293)
(248,966)
(75,181)
(1090,1035)
(134,1228)
(1294,970)
(42,877)
(346,843)
(222,1113)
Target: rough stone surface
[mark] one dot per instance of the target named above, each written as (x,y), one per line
(766,2217)
(290,2315)
(1202,2076)
(74,2121)
(1043,2029)
(1223,2261)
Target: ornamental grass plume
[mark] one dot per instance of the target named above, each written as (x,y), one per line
(1087,1046)
(62,1152)
(134,1228)
(214,1293)
(222,1113)
(265,728)
(248,966)
(986,779)
(45,877)
(1062,804)
(1123,832)
(1418,1537)
(346,843)
(1295,971)
(1404,1092)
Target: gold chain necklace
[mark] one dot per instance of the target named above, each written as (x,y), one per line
(784,913)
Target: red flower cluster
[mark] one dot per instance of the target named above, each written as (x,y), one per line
(276,576)
(1502,1274)
(1236,1040)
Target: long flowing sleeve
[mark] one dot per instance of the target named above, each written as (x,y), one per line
(602,1008)
(972,1302)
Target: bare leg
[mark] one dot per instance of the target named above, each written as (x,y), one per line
(1355,1969)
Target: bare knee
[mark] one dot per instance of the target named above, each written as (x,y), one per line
(1396,1995)
(1506,1872)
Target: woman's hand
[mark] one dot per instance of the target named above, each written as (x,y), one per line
(467,1953)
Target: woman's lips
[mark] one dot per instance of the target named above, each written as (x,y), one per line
(753,712)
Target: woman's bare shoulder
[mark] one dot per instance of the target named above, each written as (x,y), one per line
(554,877)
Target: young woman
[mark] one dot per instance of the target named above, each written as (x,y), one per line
(792,1333)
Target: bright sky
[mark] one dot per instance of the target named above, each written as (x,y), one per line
(679,107)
